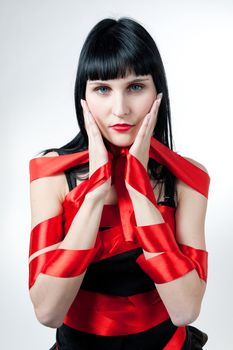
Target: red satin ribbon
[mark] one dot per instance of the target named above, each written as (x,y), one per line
(177,341)
(183,169)
(61,263)
(156,238)
(128,220)
(48,166)
(46,233)
(199,258)
(179,166)
(43,166)
(165,267)
(110,315)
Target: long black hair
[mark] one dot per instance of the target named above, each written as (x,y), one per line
(112,49)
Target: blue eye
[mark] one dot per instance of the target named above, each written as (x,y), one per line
(101,88)
(139,87)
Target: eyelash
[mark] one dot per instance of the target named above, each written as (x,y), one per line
(106,87)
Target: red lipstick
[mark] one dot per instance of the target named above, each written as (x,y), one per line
(121,127)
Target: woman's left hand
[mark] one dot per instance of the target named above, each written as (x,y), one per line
(141,146)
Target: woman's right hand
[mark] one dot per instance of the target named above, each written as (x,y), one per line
(98,155)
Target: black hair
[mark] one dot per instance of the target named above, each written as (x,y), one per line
(112,49)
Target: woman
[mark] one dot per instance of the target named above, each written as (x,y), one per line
(118,257)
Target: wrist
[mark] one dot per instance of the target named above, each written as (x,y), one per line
(99,194)
(95,198)
(145,211)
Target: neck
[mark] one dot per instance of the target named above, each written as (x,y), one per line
(114,149)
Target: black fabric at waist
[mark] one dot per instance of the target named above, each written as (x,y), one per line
(119,275)
(155,338)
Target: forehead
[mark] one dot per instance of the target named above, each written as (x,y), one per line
(128,79)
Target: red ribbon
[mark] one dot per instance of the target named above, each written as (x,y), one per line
(179,166)
(166,267)
(131,170)
(122,166)
(199,258)
(105,315)
(156,238)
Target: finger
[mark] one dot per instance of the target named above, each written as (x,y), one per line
(145,132)
(85,114)
(94,131)
(150,118)
(84,105)
(155,106)
(140,138)
(143,129)
(154,114)
(156,103)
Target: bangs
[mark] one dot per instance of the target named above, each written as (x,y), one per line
(108,61)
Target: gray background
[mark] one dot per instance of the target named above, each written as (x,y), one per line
(40,44)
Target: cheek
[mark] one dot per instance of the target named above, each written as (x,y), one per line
(143,106)
(149,100)
(96,107)
(97,110)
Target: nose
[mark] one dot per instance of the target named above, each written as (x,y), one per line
(120,107)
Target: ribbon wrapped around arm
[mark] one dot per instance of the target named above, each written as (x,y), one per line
(60,262)
(175,260)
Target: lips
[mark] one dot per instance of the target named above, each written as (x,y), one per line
(121,127)
(123,124)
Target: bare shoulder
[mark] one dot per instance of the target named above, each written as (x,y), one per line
(199,165)
(58,181)
(182,188)
(51,154)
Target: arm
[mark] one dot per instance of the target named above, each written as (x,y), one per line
(52,296)
(182,296)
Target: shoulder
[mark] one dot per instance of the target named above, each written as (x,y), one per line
(182,188)
(199,165)
(60,180)
(51,154)
(56,183)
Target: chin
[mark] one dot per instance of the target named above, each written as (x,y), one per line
(120,142)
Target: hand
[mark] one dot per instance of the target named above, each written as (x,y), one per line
(141,146)
(98,155)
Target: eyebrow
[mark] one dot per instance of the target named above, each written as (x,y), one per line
(128,82)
